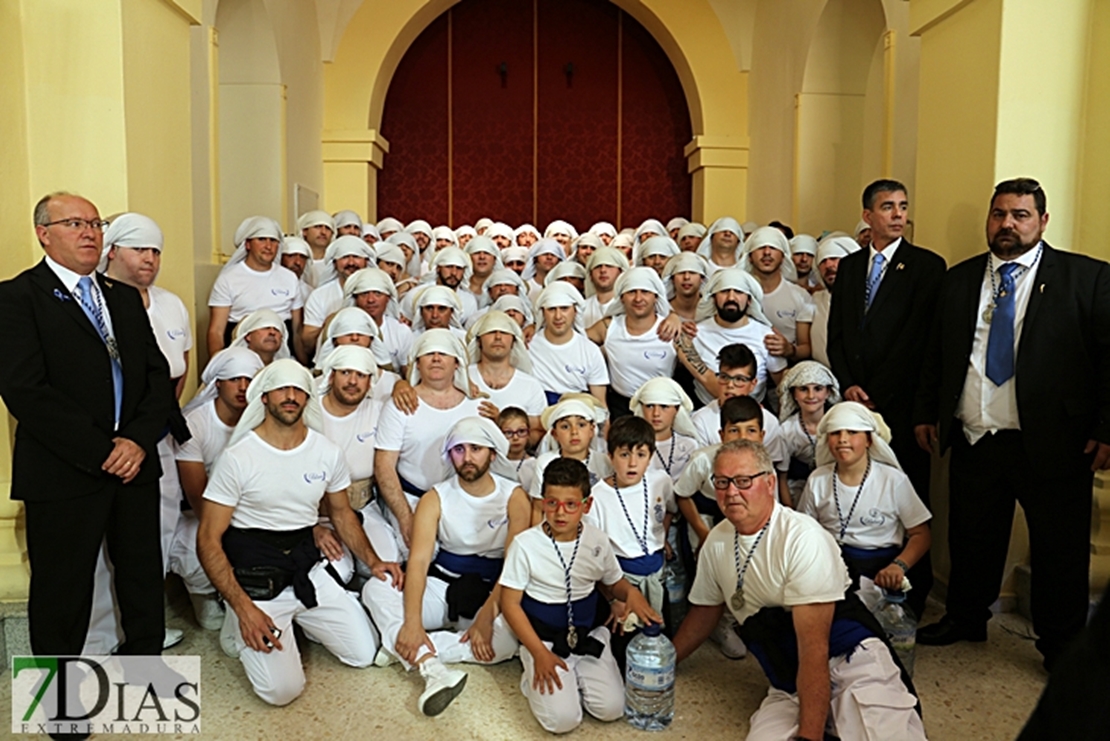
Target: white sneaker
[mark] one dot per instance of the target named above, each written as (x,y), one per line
(725,634)
(228,634)
(172,637)
(384,658)
(441,686)
(209,612)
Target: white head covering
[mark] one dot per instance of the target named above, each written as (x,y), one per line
(851,415)
(650,226)
(860,227)
(545,246)
(693,229)
(419,226)
(389,224)
(566,269)
(231,362)
(769,236)
(371,279)
(723,224)
(512,254)
(261,319)
(482,224)
(603,228)
(748,227)
(500,277)
(499,321)
(515,303)
(560,293)
(559,227)
(412,267)
(589,239)
(442,341)
(445,232)
(346,246)
(476,431)
(347,217)
(348,357)
(465,230)
(252,227)
(684,262)
(571,405)
(450,256)
(803,244)
(526,229)
(277,375)
(315,218)
(352,320)
(484,244)
(739,280)
(833,247)
(677,223)
(604,256)
(665,391)
(644,279)
(499,229)
(803,374)
(622,240)
(434,295)
(295,246)
(657,246)
(371,230)
(130,230)
(389,252)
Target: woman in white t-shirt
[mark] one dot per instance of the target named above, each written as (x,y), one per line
(860,495)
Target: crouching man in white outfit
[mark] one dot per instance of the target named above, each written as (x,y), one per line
(780,574)
(255,539)
(467,516)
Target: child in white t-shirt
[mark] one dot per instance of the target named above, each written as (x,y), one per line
(550,600)
(806,392)
(513,422)
(666,407)
(571,426)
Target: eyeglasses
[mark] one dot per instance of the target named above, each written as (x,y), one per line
(510,434)
(738,379)
(79,224)
(554,505)
(743,483)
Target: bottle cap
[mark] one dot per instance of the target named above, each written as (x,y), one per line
(653,629)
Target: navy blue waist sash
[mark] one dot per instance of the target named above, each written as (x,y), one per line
(410,488)
(707,506)
(489,569)
(844,635)
(799,470)
(867,561)
(549,620)
(552,397)
(644,565)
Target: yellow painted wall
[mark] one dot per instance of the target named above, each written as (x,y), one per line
(1093,216)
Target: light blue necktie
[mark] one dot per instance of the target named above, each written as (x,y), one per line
(1000,342)
(873,279)
(95,315)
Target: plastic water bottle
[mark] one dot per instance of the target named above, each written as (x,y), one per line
(900,625)
(649,680)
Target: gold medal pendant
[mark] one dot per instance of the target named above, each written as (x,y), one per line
(988,313)
(572,637)
(737,600)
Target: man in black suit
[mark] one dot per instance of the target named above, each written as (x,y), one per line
(83,376)
(878,323)
(1017,383)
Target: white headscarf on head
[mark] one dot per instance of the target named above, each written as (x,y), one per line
(499,321)
(514,253)
(346,246)
(465,230)
(348,357)
(389,252)
(803,374)
(684,262)
(851,415)
(604,256)
(450,256)
(693,229)
(278,375)
(442,341)
(481,225)
(559,227)
(261,319)
(371,230)
(667,392)
(545,246)
(862,226)
(500,277)
(499,229)
(723,224)
(603,228)
(130,230)
(412,267)
(371,279)
(644,279)
(748,227)
(566,269)
(803,244)
(769,236)
(484,244)
(352,320)
(576,405)
(650,226)
(435,296)
(444,232)
(476,431)
(622,240)
(347,217)
(419,226)
(657,246)
(736,279)
(677,223)
(526,229)
(834,247)
(315,218)
(252,227)
(231,362)
(295,246)
(389,224)
(588,239)
(560,293)
(515,303)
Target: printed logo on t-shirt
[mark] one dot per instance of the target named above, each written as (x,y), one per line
(873,518)
(364,436)
(786,313)
(313,477)
(175,334)
(497,522)
(655,354)
(657,510)
(579,369)
(597,551)
(280,291)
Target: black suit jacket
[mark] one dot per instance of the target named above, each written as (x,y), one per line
(1062,367)
(56,380)
(881,350)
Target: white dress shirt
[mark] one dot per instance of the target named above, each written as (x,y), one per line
(888,255)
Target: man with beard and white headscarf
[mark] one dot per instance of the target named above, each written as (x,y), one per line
(407,460)
(450,268)
(563,358)
(256,536)
(731,312)
(785,303)
(829,253)
(437,307)
(722,244)
(460,531)
(344,257)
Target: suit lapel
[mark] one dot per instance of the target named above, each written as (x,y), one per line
(45,279)
(971,293)
(1046,271)
(894,278)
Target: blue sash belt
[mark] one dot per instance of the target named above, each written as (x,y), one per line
(644,565)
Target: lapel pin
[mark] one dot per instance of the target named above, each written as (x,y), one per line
(1042,288)
(61,296)
(900,266)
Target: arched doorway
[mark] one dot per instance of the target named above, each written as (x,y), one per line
(535,111)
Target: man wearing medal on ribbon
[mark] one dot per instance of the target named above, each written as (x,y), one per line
(781,576)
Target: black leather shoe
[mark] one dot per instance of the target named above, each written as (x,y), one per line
(947,632)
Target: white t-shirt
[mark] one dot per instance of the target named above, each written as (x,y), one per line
(419,437)
(626,531)
(355,435)
(597,464)
(798,445)
(712,337)
(796,563)
(887,506)
(244,290)
(273,489)
(819,332)
(172,328)
(522,391)
(210,436)
(532,565)
(635,360)
(674,452)
(707,421)
(398,340)
(470,525)
(786,306)
(697,474)
(594,311)
(466,300)
(322,303)
(573,366)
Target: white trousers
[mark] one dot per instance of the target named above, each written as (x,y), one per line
(387,608)
(337,621)
(869,702)
(105,633)
(593,684)
(383,531)
(183,556)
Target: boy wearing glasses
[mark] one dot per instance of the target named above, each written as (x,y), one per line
(549,598)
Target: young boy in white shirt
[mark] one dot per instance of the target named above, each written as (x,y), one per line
(549,598)
(807,391)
